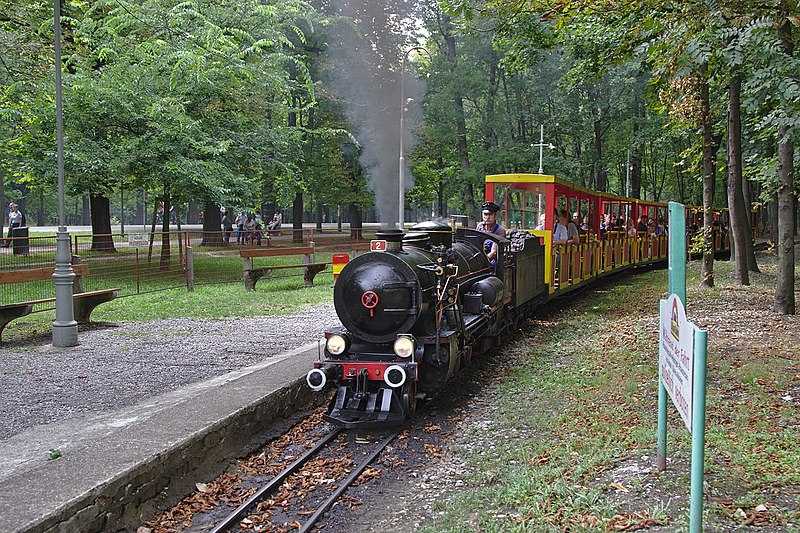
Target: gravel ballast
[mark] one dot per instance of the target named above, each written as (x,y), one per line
(118,366)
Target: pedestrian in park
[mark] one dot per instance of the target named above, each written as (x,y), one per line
(15,220)
(227,226)
(240,220)
(277,220)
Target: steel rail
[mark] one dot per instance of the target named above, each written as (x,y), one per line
(245,508)
(346,483)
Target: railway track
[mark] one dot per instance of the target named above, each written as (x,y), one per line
(243,510)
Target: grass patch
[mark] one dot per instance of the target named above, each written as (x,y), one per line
(217,301)
(569,441)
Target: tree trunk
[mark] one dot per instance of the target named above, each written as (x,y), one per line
(297,218)
(165,246)
(636,175)
(355,222)
(462,149)
(152,232)
(636,156)
(709,179)
(140,211)
(440,198)
(747,194)
(2,203)
(600,174)
(101,223)
(784,291)
(736,205)
(40,211)
(86,213)
(165,250)
(318,216)
(212,225)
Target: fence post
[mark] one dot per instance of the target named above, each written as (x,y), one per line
(136,271)
(189,269)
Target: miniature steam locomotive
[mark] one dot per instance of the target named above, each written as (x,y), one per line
(415,314)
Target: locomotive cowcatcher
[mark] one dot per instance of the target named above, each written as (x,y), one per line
(415,314)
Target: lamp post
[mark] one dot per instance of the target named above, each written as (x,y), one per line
(65,329)
(402,174)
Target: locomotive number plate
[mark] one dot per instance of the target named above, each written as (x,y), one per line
(377,246)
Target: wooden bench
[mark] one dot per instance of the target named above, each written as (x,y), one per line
(251,275)
(83,302)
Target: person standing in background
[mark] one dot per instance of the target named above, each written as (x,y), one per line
(15,220)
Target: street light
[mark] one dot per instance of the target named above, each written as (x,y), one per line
(403,103)
(65,329)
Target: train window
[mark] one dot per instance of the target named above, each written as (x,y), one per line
(520,207)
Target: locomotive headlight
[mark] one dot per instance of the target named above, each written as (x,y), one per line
(336,344)
(404,346)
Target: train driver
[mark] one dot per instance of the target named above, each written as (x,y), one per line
(490,225)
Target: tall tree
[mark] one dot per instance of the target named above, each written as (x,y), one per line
(738,211)
(784,292)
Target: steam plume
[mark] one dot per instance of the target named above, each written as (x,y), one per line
(365,51)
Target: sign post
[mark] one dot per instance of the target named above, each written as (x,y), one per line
(682,357)
(698,432)
(677,285)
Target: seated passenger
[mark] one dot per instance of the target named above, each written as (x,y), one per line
(540,225)
(574,234)
(490,225)
(561,231)
(631,229)
(642,227)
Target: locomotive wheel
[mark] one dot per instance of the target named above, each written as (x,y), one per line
(410,400)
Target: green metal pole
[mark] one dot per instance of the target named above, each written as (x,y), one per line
(677,285)
(698,431)
(677,250)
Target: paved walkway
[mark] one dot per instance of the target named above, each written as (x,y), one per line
(116,366)
(115,468)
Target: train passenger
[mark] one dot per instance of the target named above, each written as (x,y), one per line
(572,230)
(642,227)
(490,225)
(630,229)
(540,225)
(560,231)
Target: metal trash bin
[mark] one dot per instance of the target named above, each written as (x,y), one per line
(20,243)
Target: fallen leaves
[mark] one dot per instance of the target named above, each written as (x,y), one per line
(367,475)
(632,522)
(539,460)
(433,451)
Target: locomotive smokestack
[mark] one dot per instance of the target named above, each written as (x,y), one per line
(393,238)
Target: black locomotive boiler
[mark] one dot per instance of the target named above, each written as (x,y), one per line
(414,315)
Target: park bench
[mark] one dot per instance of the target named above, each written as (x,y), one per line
(83,302)
(251,274)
